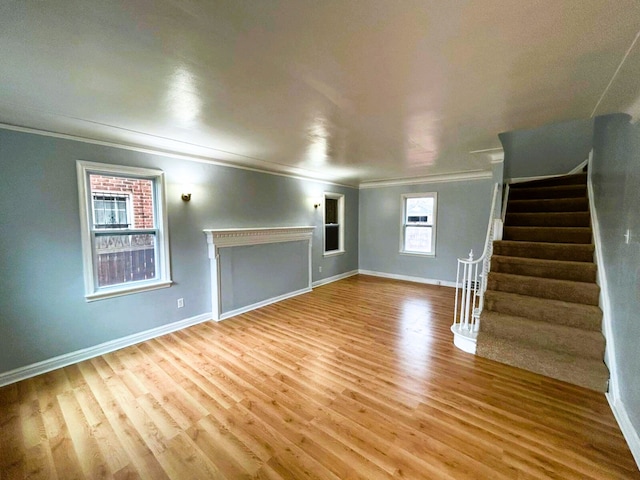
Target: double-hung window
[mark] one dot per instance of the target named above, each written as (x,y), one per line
(419,224)
(124,239)
(333,223)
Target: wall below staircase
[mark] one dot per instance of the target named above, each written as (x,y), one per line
(548,150)
(615,180)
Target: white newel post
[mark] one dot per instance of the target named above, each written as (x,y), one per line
(234,237)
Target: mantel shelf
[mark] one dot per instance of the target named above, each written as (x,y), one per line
(233,237)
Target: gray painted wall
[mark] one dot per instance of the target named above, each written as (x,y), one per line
(462,219)
(253,273)
(549,150)
(43,312)
(616,179)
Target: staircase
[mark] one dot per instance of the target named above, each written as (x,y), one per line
(541,305)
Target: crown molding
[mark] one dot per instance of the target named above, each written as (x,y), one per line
(288,172)
(449,177)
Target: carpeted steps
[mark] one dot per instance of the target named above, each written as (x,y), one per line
(535,267)
(548,234)
(551,251)
(541,305)
(550,288)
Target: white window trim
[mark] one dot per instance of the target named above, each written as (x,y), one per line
(92,291)
(404,197)
(340,250)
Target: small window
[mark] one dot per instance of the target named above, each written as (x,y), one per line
(125,244)
(333,223)
(419,224)
(110,211)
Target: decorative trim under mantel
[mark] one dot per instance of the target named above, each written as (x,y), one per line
(234,237)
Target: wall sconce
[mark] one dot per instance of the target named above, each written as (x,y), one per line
(186,197)
(316,205)
(317,202)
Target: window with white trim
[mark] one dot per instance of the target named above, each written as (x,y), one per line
(419,224)
(333,223)
(124,239)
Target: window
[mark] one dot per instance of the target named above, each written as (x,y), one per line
(124,242)
(110,211)
(419,224)
(333,223)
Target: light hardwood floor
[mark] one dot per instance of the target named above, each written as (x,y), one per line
(358,379)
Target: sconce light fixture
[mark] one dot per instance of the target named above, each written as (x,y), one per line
(186,196)
(316,205)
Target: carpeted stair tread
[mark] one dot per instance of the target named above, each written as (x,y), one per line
(548,234)
(585,372)
(556,191)
(575,179)
(554,311)
(535,267)
(548,219)
(579,204)
(565,290)
(551,251)
(559,338)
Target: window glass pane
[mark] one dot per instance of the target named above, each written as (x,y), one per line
(125,258)
(420,210)
(331,238)
(331,210)
(122,202)
(418,239)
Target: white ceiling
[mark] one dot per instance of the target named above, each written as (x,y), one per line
(349,91)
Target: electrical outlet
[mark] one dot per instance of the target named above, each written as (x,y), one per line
(180,302)
(320,269)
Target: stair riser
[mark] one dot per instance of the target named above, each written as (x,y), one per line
(575,219)
(586,293)
(579,253)
(572,341)
(536,309)
(556,205)
(548,192)
(577,273)
(548,234)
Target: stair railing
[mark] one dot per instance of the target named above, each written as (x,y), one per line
(471,283)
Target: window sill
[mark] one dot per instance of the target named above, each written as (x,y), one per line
(117,292)
(333,253)
(418,254)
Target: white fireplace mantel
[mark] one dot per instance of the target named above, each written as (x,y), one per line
(234,237)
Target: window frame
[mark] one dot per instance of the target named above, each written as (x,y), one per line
(340,198)
(403,224)
(89,257)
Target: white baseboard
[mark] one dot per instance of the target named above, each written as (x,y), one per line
(263,303)
(580,167)
(67,359)
(577,169)
(531,179)
(630,434)
(335,278)
(605,302)
(407,278)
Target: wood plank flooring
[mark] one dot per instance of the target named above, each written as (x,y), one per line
(358,379)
